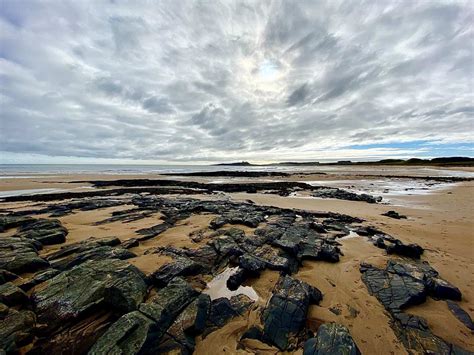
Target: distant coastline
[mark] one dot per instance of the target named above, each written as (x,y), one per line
(442,161)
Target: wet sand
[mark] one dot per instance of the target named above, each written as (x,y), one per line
(441,222)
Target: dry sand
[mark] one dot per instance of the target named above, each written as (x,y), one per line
(441,222)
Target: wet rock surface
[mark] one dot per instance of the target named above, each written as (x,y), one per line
(331,338)
(285,317)
(405,283)
(109,283)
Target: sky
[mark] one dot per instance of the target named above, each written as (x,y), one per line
(217,81)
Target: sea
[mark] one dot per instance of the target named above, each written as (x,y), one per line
(29,170)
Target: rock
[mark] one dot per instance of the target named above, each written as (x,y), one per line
(252,263)
(191,322)
(237,278)
(76,338)
(442,289)
(393,214)
(394,291)
(91,249)
(285,317)
(416,336)
(6,276)
(9,221)
(3,310)
(409,250)
(38,278)
(112,284)
(169,302)
(45,231)
(401,285)
(331,339)
(141,331)
(130,243)
(19,255)
(182,266)
(224,309)
(129,335)
(16,330)
(461,314)
(345,195)
(253,333)
(12,295)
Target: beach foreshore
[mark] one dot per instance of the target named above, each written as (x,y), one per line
(154,229)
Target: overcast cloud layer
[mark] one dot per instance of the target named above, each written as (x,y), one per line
(214,80)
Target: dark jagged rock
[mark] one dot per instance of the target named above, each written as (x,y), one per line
(191,322)
(394,214)
(16,330)
(130,243)
(251,220)
(131,333)
(461,314)
(6,276)
(20,255)
(10,221)
(394,291)
(416,336)
(12,295)
(237,278)
(91,249)
(253,333)
(141,331)
(181,266)
(38,278)
(341,194)
(252,263)
(113,284)
(224,309)
(410,250)
(151,232)
(331,339)
(401,285)
(45,231)
(285,317)
(439,288)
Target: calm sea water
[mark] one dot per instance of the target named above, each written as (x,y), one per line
(25,170)
(22,170)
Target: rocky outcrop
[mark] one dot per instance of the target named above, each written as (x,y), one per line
(141,331)
(402,284)
(112,284)
(16,329)
(45,231)
(20,255)
(284,318)
(341,194)
(331,339)
(12,221)
(12,295)
(91,249)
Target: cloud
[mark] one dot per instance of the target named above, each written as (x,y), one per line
(214,81)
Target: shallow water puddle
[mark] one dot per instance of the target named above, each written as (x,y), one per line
(217,287)
(351,235)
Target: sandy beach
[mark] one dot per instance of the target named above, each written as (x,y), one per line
(439,219)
